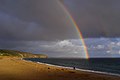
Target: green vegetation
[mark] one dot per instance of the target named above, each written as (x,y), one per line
(13,53)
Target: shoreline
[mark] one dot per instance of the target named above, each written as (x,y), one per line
(20,69)
(78,69)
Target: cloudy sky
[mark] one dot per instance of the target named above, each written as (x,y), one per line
(42,26)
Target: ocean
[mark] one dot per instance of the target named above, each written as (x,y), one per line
(105,65)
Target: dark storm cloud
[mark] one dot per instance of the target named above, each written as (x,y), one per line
(34,20)
(42,26)
(24,24)
(46,20)
(12,27)
(96,18)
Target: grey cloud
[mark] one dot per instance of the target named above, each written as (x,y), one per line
(65,48)
(99,47)
(32,25)
(103,47)
(14,28)
(96,18)
(35,20)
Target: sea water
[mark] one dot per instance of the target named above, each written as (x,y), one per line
(108,65)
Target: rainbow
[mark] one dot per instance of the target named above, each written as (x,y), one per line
(77,29)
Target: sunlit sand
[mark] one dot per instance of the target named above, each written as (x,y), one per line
(17,69)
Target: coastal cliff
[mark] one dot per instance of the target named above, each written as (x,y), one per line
(13,53)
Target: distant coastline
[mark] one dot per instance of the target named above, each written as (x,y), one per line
(14,53)
(14,67)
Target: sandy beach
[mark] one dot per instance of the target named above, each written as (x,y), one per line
(17,69)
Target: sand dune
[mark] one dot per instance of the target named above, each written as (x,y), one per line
(17,69)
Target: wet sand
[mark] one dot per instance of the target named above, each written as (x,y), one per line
(17,69)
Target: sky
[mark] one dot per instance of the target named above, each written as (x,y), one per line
(43,26)
(96,18)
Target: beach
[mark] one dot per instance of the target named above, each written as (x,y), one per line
(18,69)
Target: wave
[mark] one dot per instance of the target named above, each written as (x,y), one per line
(85,70)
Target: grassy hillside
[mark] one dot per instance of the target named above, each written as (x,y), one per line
(13,53)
